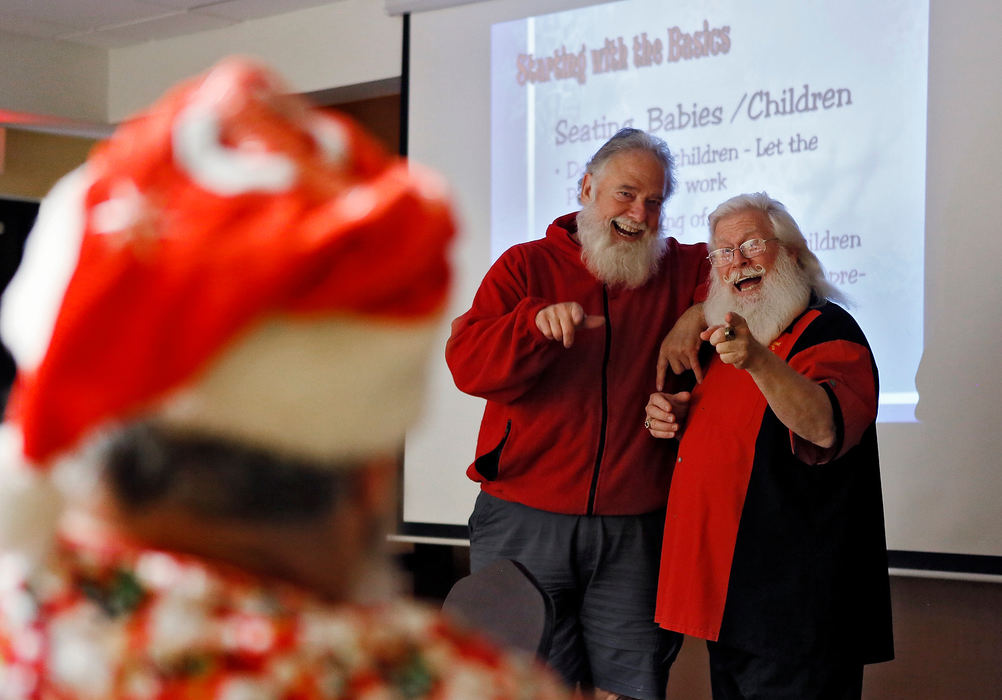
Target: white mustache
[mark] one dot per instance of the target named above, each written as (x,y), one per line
(740,274)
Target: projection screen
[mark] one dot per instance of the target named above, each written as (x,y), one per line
(873,122)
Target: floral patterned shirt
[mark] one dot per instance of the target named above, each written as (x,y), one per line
(123,622)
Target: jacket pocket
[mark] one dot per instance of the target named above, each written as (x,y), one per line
(489,464)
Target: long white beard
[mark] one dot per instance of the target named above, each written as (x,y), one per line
(615,262)
(783,294)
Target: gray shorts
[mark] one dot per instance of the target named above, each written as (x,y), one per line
(602,574)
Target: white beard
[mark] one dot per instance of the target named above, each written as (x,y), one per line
(783,294)
(614,262)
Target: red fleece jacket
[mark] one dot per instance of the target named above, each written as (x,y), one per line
(563,427)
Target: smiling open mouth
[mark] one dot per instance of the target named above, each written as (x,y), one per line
(748,282)
(627,231)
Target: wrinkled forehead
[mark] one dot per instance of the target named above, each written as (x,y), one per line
(636,168)
(736,228)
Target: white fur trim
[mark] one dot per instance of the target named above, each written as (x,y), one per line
(321,389)
(221,169)
(33,298)
(123,209)
(331,138)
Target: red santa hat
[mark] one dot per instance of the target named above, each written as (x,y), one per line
(231,261)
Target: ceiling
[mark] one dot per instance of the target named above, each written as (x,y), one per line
(117,23)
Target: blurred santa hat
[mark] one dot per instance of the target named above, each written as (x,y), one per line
(232,261)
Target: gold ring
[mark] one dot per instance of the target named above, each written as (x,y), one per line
(729,333)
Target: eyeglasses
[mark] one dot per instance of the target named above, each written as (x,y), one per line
(750,249)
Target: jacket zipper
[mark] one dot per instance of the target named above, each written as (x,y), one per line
(605,402)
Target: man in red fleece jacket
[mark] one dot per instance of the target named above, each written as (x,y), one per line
(562,341)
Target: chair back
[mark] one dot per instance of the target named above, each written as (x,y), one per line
(506,603)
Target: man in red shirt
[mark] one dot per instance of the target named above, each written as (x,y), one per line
(562,341)
(774,546)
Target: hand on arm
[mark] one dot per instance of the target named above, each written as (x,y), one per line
(680,348)
(561,321)
(799,403)
(666,413)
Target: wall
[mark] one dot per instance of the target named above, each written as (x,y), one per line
(345,43)
(34,161)
(380,115)
(350,43)
(54,78)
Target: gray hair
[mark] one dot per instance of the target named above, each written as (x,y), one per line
(147,463)
(630,139)
(786,230)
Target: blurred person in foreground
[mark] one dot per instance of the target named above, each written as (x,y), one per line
(561,340)
(774,546)
(221,325)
